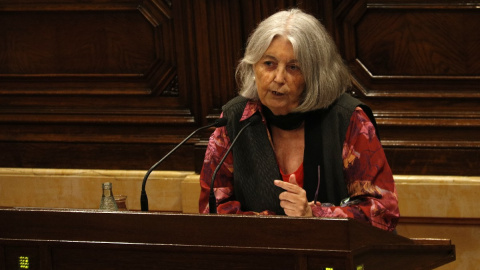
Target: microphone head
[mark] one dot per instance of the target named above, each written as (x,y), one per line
(221,122)
(255,119)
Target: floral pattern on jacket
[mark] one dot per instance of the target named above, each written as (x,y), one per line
(369,179)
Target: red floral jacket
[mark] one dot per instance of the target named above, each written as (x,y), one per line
(367,174)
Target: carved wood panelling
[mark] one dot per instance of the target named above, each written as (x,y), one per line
(417,65)
(418,50)
(115,84)
(91,84)
(102,61)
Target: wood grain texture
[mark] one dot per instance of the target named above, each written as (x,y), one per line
(60,239)
(133,77)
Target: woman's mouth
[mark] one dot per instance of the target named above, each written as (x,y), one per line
(276,93)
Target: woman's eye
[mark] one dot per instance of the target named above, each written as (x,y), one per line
(269,63)
(294,68)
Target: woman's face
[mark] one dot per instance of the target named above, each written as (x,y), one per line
(279,80)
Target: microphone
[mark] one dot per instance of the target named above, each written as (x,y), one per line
(143,197)
(212,201)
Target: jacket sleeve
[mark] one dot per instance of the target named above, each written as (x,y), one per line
(369,179)
(218,145)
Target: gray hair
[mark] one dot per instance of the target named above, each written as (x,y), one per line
(326,76)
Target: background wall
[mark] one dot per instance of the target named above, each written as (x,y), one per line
(114,84)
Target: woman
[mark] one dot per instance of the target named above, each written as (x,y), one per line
(317,152)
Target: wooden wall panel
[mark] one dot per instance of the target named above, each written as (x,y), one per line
(86,83)
(91,84)
(417,65)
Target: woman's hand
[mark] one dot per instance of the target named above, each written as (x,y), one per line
(294,199)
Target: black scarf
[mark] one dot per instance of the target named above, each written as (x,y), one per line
(289,121)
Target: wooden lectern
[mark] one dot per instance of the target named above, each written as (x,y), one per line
(92,239)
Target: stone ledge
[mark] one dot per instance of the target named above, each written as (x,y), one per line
(178,191)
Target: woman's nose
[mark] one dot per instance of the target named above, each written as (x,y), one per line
(280,75)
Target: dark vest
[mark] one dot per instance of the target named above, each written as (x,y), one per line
(255,165)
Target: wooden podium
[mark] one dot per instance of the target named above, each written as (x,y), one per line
(91,239)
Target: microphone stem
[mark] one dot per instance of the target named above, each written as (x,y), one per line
(143,197)
(212,200)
